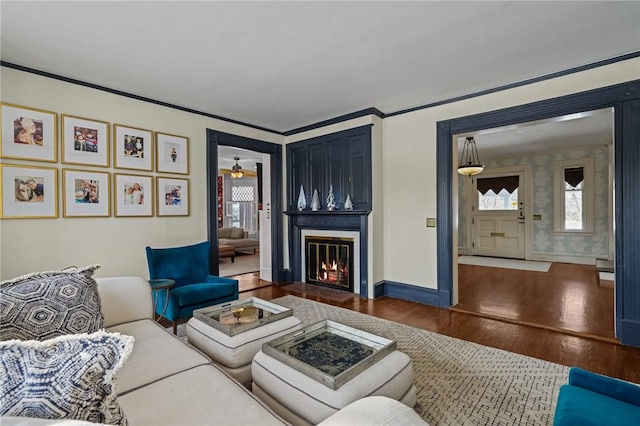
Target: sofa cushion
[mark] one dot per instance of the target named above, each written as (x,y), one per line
(224,233)
(157,354)
(68,377)
(44,305)
(237,233)
(194,294)
(200,396)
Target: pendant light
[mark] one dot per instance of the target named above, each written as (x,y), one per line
(236,170)
(469,161)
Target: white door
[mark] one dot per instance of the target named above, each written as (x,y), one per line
(498,216)
(265,221)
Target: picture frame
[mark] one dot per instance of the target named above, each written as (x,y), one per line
(173,196)
(132,148)
(133,195)
(172,153)
(85,141)
(28,133)
(86,193)
(28,192)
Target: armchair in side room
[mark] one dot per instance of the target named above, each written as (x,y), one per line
(593,399)
(194,288)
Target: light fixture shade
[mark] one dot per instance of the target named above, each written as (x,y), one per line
(469,160)
(236,170)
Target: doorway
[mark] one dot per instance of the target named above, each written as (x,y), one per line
(625,99)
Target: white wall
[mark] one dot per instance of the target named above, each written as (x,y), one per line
(410,166)
(28,245)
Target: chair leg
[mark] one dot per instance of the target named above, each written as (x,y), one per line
(233,259)
(175,328)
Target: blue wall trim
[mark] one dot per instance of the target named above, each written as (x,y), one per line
(412,293)
(357,114)
(521,83)
(625,99)
(130,95)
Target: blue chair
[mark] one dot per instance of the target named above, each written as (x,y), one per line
(188,266)
(594,399)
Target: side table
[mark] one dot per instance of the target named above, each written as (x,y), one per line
(158,285)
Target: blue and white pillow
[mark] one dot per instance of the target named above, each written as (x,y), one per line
(69,377)
(44,305)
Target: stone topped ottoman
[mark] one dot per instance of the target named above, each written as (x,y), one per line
(303,394)
(233,345)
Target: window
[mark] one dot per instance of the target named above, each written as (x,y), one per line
(498,193)
(242,208)
(573,204)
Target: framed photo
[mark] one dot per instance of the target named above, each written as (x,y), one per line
(86,193)
(173,196)
(132,148)
(28,133)
(29,192)
(85,141)
(172,153)
(133,195)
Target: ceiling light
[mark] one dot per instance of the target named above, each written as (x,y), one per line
(469,161)
(236,170)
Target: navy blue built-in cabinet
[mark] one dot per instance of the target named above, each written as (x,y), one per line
(341,159)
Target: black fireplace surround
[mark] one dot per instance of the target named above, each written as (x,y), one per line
(325,220)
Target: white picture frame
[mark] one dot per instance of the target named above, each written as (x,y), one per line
(132,148)
(28,192)
(85,141)
(172,153)
(173,196)
(28,133)
(133,195)
(85,193)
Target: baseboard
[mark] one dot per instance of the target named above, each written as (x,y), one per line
(578,260)
(629,332)
(411,293)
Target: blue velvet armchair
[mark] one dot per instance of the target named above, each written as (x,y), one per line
(188,266)
(594,399)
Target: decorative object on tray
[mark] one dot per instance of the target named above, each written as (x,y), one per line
(302,200)
(348,205)
(28,133)
(315,201)
(85,193)
(85,141)
(173,196)
(132,148)
(133,195)
(172,153)
(28,192)
(331,200)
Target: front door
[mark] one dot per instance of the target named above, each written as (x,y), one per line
(498,216)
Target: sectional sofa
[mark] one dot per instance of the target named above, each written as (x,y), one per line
(165,381)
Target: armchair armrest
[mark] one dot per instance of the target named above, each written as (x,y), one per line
(604,385)
(215,279)
(124,299)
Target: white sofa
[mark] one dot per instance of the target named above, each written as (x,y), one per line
(165,381)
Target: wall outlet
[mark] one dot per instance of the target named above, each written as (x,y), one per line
(537,217)
(431,222)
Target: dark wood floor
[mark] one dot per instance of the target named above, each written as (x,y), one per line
(598,355)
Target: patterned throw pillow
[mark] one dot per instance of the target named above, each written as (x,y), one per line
(69,377)
(44,305)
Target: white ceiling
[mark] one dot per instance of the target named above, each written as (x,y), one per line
(285,65)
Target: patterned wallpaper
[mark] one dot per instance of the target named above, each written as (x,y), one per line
(544,241)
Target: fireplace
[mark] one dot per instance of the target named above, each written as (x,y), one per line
(329,261)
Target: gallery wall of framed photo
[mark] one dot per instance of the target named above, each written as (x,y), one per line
(107,169)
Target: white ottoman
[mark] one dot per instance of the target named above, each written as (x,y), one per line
(299,399)
(234,353)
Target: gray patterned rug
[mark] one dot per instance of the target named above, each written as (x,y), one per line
(458,382)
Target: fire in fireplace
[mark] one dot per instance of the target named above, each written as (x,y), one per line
(329,261)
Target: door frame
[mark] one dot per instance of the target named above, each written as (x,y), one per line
(624,98)
(215,138)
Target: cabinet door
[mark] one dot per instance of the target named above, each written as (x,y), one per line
(336,168)
(297,171)
(316,171)
(359,179)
